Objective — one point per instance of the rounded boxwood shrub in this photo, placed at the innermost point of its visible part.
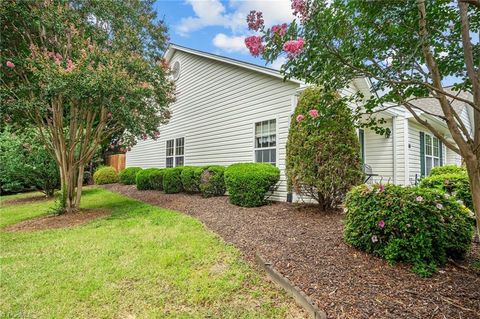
(105, 175)
(323, 152)
(248, 183)
(212, 181)
(422, 227)
(128, 175)
(172, 180)
(447, 169)
(150, 179)
(191, 179)
(453, 184)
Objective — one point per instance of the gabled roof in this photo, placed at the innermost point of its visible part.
(250, 66)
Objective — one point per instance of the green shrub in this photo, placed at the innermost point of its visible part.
(172, 180)
(453, 184)
(447, 169)
(26, 164)
(105, 175)
(191, 179)
(422, 227)
(248, 183)
(323, 151)
(150, 179)
(128, 175)
(212, 181)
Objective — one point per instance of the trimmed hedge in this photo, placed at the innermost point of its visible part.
(447, 169)
(191, 178)
(212, 181)
(172, 180)
(248, 183)
(105, 175)
(128, 175)
(454, 184)
(422, 227)
(150, 179)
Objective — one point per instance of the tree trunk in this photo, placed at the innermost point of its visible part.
(474, 176)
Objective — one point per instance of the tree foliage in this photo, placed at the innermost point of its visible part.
(323, 152)
(408, 49)
(81, 72)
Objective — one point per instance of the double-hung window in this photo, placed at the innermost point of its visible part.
(266, 142)
(175, 150)
(431, 152)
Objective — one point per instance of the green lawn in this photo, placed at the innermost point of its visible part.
(142, 262)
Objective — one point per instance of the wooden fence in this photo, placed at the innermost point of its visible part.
(116, 161)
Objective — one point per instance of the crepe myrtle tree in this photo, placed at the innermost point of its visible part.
(409, 49)
(81, 72)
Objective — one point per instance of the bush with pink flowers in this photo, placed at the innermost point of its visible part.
(418, 226)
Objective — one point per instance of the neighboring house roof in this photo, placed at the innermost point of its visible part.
(432, 105)
(261, 69)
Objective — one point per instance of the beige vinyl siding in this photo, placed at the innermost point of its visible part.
(216, 108)
(453, 158)
(414, 152)
(379, 154)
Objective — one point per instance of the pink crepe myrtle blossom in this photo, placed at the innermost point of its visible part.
(293, 47)
(255, 45)
(381, 224)
(300, 118)
(300, 9)
(255, 20)
(10, 64)
(280, 30)
(313, 113)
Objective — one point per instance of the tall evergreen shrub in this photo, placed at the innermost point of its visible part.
(323, 151)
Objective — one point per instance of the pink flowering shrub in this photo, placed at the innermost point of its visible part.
(254, 45)
(418, 226)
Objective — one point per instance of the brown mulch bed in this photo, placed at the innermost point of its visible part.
(59, 221)
(26, 200)
(306, 246)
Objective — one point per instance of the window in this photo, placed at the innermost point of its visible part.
(169, 153)
(266, 142)
(361, 138)
(433, 153)
(175, 149)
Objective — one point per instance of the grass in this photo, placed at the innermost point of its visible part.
(141, 262)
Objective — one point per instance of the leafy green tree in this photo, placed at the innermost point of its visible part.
(80, 72)
(323, 152)
(25, 163)
(409, 49)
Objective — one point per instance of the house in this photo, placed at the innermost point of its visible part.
(229, 111)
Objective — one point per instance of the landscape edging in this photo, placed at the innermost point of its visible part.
(300, 297)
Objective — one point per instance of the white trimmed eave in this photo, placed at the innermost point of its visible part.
(264, 70)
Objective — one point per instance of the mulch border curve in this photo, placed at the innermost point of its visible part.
(300, 297)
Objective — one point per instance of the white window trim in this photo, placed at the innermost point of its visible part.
(174, 162)
(433, 157)
(262, 119)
